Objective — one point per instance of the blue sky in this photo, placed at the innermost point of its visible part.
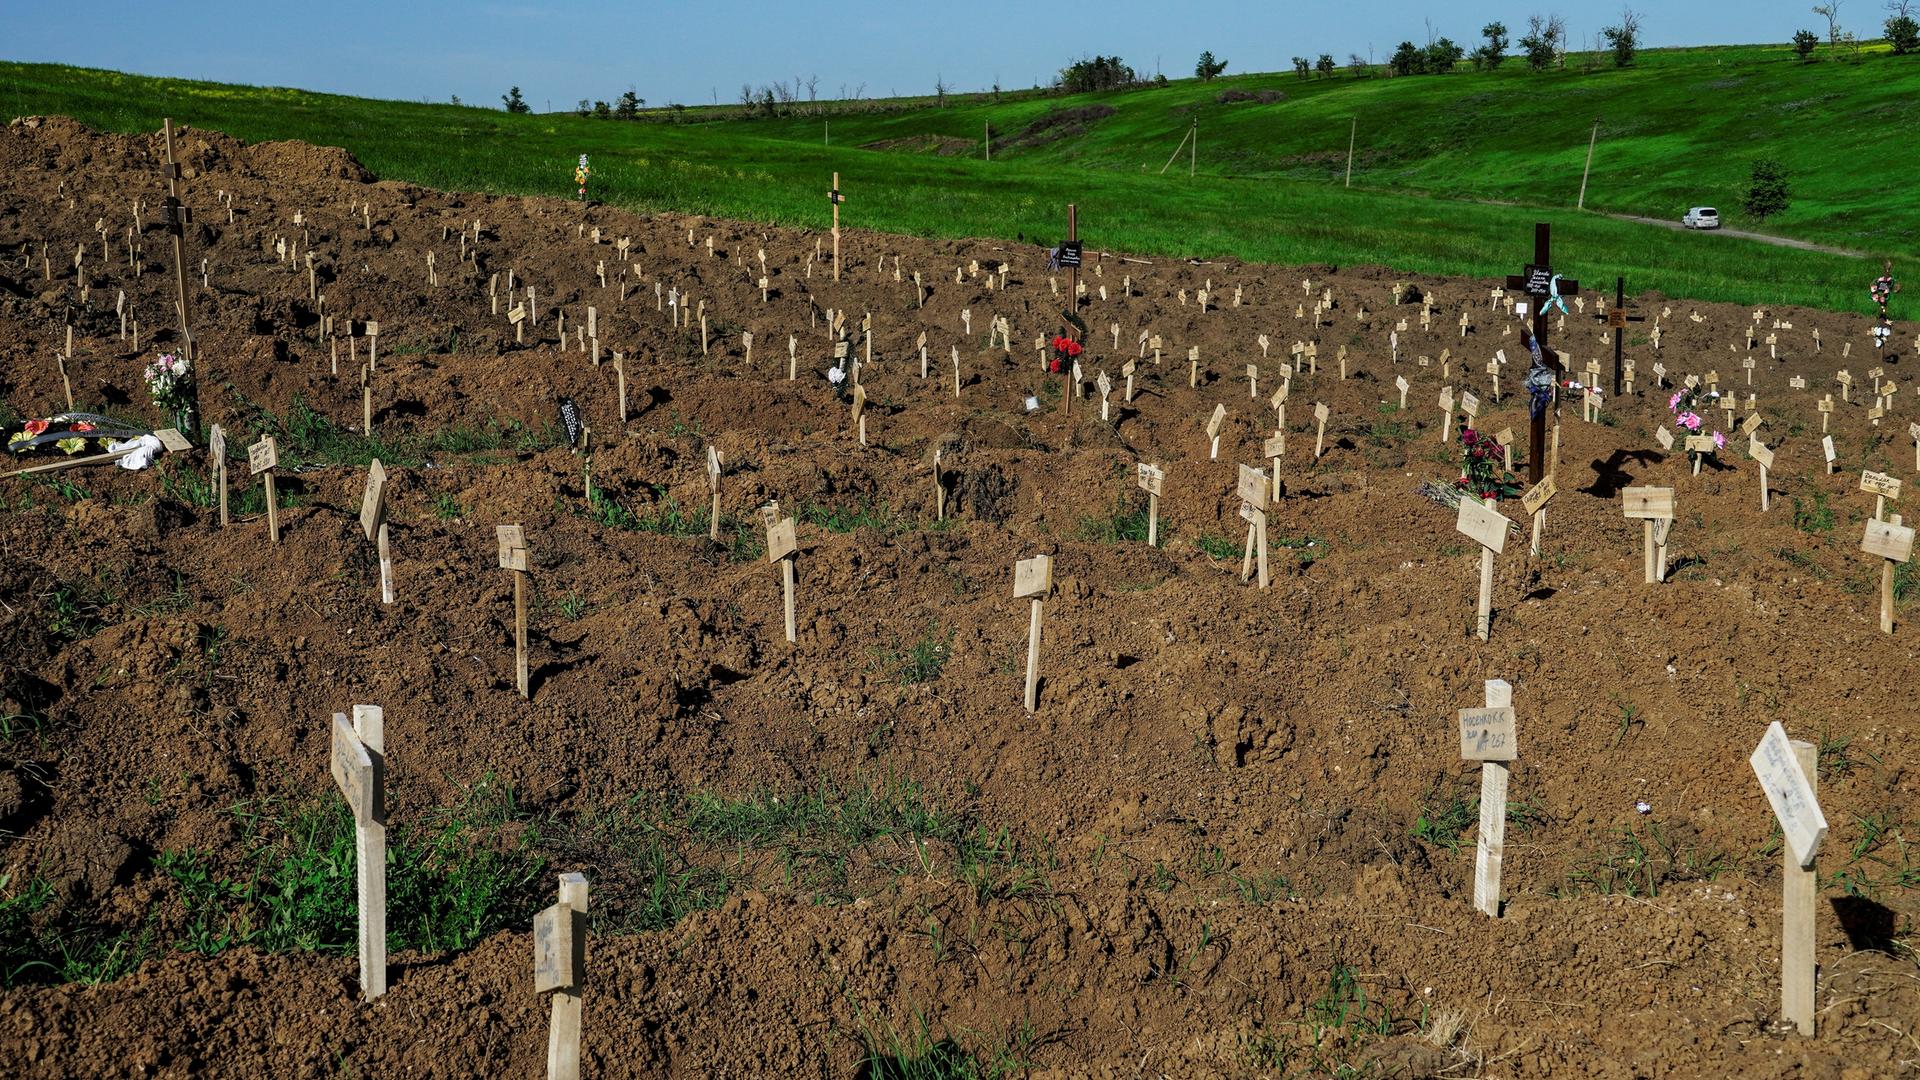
(695, 51)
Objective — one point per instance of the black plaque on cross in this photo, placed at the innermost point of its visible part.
(1536, 280)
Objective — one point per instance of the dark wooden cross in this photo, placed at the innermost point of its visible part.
(1617, 318)
(178, 217)
(1076, 329)
(1536, 281)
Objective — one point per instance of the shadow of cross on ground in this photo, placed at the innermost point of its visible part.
(1610, 476)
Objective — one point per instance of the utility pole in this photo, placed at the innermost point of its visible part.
(1589, 169)
(1351, 137)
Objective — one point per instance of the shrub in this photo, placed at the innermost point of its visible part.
(1767, 189)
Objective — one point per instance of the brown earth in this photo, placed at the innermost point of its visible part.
(1195, 737)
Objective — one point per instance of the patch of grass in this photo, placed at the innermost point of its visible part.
(447, 506)
(1629, 718)
(665, 517)
(572, 605)
(70, 947)
(77, 610)
(845, 518)
(918, 662)
(1219, 547)
(454, 876)
(1443, 822)
(1641, 860)
(1126, 522)
(918, 1055)
(1814, 517)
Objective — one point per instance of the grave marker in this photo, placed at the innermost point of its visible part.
(1654, 506)
(373, 523)
(1788, 771)
(1033, 578)
(713, 485)
(1215, 422)
(1252, 489)
(782, 547)
(1893, 542)
(1484, 525)
(217, 454)
(512, 542)
(358, 762)
(1882, 487)
(1320, 414)
(559, 965)
(1488, 735)
(1152, 479)
(1535, 500)
(1760, 453)
(264, 457)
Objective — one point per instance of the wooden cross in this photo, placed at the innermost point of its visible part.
(782, 544)
(358, 761)
(1487, 735)
(1536, 281)
(1033, 578)
(559, 965)
(834, 197)
(178, 217)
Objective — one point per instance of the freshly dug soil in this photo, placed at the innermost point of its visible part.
(1230, 798)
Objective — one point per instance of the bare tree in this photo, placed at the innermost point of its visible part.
(1900, 9)
(941, 88)
(813, 88)
(1832, 12)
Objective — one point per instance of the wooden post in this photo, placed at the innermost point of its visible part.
(1320, 414)
(1152, 479)
(373, 341)
(358, 761)
(1033, 578)
(1893, 542)
(264, 457)
(1488, 735)
(559, 965)
(1485, 526)
(1654, 506)
(1215, 422)
(713, 484)
(373, 523)
(939, 489)
(1353, 135)
(1535, 501)
(217, 451)
(1588, 171)
(836, 198)
(620, 377)
(781, 548)
(177, 218)
(1760, 453)
(513, 557)
(1789, 773)
(1252, 489)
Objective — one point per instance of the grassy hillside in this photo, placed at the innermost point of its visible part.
(1263, 194)
(1679, 129)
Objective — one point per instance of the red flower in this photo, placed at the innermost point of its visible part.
(82, 426)
(35, 427)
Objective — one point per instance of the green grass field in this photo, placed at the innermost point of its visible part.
(1452, 169)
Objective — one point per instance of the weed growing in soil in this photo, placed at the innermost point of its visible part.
(1642, 862)
(919, 662)
(666, 518)
(77, 610)
(447, 506)
(661, 857)
(453, 877)
(861, 515)
(1814, 518)
(70, 947)
(1219, 547)
(1125, 523)
(917, 1055)
(572, 605)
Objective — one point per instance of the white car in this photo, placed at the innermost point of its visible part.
(1702, 217)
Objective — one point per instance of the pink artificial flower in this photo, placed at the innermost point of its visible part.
(1674, 401)
(1719, 441)
(1689, 421)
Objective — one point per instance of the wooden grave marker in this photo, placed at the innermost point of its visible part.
(373, 523)
(713, 485)
(1251, 486)
(1535, 500)
(1882, 487)
(358, 762)
(559, 965)
(1654, 506)
(1320, 414)
(264, 457)
(512, 540)
(782, 548)
(1484, 525)
(1215, 421)
(1892, 542)
(1033, 578)
(217, 454)
(1151, 479)
(1488, 735)
(1788, 771)
(1762, 455)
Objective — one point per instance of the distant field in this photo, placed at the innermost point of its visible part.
(1681, 129)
